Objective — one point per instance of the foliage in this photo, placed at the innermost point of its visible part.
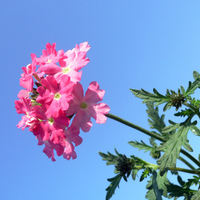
(166, 145)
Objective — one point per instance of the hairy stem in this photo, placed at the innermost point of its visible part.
(149, 133)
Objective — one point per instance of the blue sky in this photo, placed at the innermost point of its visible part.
(134, 44)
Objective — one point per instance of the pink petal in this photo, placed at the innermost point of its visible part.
(93, 95)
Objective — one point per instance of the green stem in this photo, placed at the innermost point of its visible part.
(149, 133)
(116, 118)
(186, 162)
(178, 169)
(190, 157)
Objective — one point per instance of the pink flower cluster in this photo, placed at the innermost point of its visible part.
(54, 107)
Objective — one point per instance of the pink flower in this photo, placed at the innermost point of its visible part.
(72, 133)
(68, 67)
(24, 106)
(23, 93)
(47, 126)
(80, 59)
(69, 151)
(54, 96)
(88, 106)
(27, 80)
(63, 147)
(57, 136)
(49, 59)
(49, 149)
(57, 98)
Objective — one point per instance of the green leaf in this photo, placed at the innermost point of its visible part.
(141, 146)
(192, 181)
(152, 141)
(196, 75)
(195, 130)
(173, 146)
(180, 180)
(145, 173)
(178, 191)
(184, 190)
(192, 87)
(171, 128)
(195, 102)
(134, 173)
(187, 146)
(111, 159)
(183, 113)
(113, 185)
(155, 120)
(182, 90)
(157, 186)
(150, 97)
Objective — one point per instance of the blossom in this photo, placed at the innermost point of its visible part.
(68, 67)
(49, 58)
(55, 96)
(47, 126)
(80, 59)
(23, 93)
(87, 106)
(70, 62)
(24, 106)
(69, 151)
(55, 108)
(26, 79)
(72, 133)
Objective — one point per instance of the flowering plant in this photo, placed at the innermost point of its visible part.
(55, 108)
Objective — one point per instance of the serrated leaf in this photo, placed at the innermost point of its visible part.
(195, 102)
(145, 173)
(183, 190)
(150, 97)
(184, 113)
(157, 186)
(113, 185)
(192, 87)
(111, 159)
(156, 121)
(192, 181)
(178, 191)
(141, 146)
(172, 148)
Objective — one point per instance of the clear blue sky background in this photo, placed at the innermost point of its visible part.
(134, 44)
